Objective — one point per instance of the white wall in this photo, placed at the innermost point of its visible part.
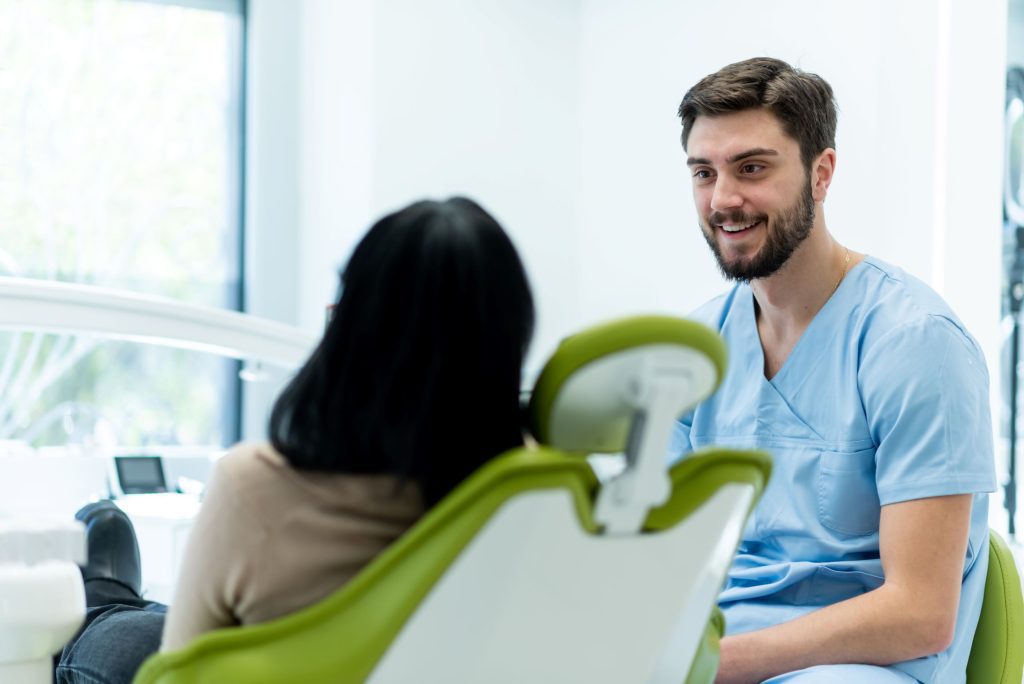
(895, 128)
(336, 145)
(560, 118)
(401, 100)
(479, 98)
(273, 204)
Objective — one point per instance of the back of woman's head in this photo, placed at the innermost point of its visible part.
(418, 372)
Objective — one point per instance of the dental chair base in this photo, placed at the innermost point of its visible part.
(42, 598)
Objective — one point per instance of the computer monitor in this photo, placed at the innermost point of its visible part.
(140, 474)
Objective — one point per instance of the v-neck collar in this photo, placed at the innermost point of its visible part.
(800, 363)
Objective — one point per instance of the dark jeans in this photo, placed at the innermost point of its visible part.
(121, 630)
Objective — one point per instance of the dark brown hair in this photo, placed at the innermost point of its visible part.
(802, 102)
(417, 374)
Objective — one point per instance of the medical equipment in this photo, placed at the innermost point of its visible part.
(997, 654)
(41, 594)
(140, 474)
(50, 306)
(42, 599)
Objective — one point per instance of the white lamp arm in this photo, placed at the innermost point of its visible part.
(58, 307)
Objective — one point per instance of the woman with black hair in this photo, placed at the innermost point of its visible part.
(414, 385)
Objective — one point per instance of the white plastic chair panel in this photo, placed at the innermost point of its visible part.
(536, 599)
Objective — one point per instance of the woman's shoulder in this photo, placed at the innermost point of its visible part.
(249, 465)
(261, 471)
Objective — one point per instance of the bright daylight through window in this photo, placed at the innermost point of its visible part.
(120, 131)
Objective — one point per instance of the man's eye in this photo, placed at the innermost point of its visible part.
(702, 174)
(751, 168)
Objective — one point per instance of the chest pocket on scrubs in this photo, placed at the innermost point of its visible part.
(847, 495)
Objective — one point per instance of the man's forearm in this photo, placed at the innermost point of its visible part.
(884, 626)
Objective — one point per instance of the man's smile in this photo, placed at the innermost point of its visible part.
(738, 229)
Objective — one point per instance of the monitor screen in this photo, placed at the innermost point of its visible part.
(140, 474)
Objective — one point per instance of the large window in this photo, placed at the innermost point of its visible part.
(121, 138)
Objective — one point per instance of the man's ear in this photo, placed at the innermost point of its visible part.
(822, 169)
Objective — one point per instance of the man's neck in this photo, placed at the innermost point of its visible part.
(789, 299)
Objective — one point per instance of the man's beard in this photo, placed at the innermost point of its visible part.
(785, 233)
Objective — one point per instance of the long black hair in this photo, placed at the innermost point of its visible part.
(418, 371)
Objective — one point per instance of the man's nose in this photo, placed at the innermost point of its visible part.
(726, 195)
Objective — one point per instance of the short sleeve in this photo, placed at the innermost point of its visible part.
(925, 391)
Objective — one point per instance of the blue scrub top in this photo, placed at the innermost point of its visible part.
(884, 399)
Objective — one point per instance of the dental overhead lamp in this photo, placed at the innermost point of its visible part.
(42, 598)
(56, 307)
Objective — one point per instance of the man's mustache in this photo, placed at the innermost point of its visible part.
(717, 218)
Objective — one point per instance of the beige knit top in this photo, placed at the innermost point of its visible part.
(270, 540)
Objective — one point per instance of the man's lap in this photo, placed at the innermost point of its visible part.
(844, 674)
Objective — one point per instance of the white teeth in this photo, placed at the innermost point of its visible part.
(736, 229)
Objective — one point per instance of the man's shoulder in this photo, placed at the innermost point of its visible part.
(714, 312)
(904, 332)
(894, 303)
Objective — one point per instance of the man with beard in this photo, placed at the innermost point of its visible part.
(865, 560)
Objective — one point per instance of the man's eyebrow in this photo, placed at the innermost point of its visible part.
(752, 152)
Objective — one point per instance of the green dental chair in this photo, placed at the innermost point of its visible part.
(997, 654)
(533, 569)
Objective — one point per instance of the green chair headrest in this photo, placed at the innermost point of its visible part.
(637, 336)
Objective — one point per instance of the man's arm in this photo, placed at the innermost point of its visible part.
(922, 544)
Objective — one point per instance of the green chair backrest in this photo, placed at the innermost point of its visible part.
(344, 637)
(997, 654)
